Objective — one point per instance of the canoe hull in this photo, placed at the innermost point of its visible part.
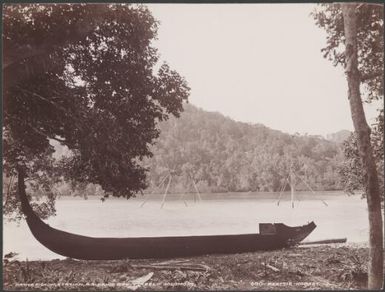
(271, 236)
(96, 248)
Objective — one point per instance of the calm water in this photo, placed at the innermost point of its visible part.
(345, 216)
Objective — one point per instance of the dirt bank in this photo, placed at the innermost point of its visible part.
(310, 267)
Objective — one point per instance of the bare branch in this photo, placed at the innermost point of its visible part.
(65, 111)
(40, 132)
(43, 98)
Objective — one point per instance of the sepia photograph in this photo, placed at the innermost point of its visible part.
(193, 146)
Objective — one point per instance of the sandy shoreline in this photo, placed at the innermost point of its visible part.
(337, 266)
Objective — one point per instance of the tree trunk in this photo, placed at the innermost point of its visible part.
(375, 268)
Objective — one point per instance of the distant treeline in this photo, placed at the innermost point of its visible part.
(218, 154)
(222, 155)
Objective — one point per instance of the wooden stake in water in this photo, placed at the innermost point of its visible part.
(159, 186)
(292, 189)
(196, 189)
(165, 192)
(311, 189)
(283, 189)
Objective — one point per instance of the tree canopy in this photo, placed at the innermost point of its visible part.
(370, 42)
(351, 171)
(370, 50)
(85, 75)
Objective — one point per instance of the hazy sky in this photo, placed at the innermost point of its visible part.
(257, 63)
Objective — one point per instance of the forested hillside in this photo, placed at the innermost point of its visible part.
(223, 155)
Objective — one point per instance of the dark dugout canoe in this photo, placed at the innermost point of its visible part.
(271, 236)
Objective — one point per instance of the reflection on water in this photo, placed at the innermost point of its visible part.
(215, 214)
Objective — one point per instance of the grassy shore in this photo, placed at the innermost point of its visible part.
(300, 268)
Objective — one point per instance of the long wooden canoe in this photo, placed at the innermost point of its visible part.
(271, 236)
